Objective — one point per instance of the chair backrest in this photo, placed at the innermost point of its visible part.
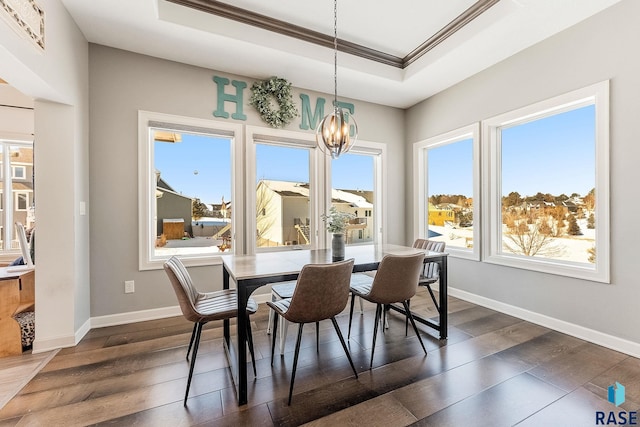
(431, 270)
(321, 292)
(24, 246)
(183, 287)
(397, 278)
(430, 245)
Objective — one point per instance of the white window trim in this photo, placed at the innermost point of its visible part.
(283, 138)
(597, 94)
(14, 168)
(17, 203)
(420, 162)
(146, 258)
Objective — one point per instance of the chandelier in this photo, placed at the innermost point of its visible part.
(333, 132)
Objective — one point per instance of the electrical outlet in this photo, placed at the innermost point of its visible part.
(129, 287)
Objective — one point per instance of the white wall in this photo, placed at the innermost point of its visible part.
(123, 83)
(600, 48)
(58, 81)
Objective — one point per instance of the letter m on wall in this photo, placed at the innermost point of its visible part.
(310, 121)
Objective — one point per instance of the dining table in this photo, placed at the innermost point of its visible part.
(250, 272)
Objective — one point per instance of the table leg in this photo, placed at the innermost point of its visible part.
(243, 297)
(443, 298)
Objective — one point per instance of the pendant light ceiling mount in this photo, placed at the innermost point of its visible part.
(338, 131)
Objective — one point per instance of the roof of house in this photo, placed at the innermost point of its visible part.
(301, 189)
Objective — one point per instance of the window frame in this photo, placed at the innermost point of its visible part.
(596, 94)
(281, 138)
(420, 163)
(10, 198)
(15, 168)
(16, 201)
(146, 173)
(379, 215)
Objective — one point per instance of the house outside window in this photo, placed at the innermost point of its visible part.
(15, 156)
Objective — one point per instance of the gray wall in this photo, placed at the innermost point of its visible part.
(600, 48)
(121, 83)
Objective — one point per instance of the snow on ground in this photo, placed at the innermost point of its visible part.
(572, 248)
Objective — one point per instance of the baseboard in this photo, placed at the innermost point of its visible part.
(615, 343)
(134, 316)
(49, 344)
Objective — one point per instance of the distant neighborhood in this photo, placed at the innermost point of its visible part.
(282, 215)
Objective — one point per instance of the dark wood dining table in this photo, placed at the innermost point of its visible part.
(249, 272)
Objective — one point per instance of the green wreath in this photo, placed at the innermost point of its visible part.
(264, 92)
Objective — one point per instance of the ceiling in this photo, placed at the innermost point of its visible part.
(396, 55)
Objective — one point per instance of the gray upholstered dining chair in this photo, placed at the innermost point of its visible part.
(431, 270)
(283, 290)
(396, 281)
(321, 292)
(202, 307)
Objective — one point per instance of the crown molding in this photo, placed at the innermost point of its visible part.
(268, 23)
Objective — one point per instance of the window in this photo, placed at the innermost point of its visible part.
(282, 202)
(208, 187)
(190, 183)
(18, 172)
(15, 156)
(22, 201)
(353, 190)
(282, 196)
(548, 208)
(448, 190)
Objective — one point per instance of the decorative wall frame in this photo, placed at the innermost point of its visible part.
(26, 17)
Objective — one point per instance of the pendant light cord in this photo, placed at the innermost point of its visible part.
(335, 53)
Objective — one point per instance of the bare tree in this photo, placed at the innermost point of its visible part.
(529, 240)
(264, 211)
(198, 209)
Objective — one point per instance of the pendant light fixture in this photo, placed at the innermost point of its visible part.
(333, 132)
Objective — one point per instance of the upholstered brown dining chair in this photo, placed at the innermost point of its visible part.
(396, 281)
(321, 292)
(202, 307)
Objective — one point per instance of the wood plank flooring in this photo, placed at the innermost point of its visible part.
(494, 370)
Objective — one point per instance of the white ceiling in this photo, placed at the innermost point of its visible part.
(166, 30)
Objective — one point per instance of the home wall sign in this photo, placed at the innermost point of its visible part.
(231, 94)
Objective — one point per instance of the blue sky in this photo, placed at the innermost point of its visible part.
(551, 155)
(199, 166)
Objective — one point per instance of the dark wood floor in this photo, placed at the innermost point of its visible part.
(494, 370)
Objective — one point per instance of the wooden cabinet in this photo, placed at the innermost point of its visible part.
(17, 294)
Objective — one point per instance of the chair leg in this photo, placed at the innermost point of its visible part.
(271, 314)
(361, 307)
(433, 297)
(317, 337)
(413, 323)
(284, 327)
(274, 333)
(375, 332)
(193, 335)
(250, 343)
(344, 345)
(196, 343)
(351, 314)
(385, 317)
(295, 361)
(406, 320)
